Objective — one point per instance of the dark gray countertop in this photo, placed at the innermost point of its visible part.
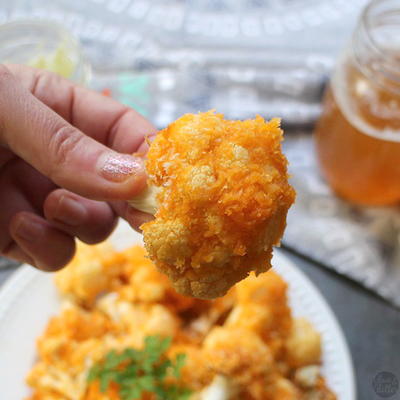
(371, 326)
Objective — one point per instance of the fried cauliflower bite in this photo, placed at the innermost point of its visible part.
(262, 307)
(195, 373)
(237, 353)
(223, 194)
(280, 388)
(139, 320)
(93, 270)
(70, 343)
(303, 345)
(145, 282)
(69, 337)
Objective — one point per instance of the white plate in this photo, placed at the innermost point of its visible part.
(29, 298)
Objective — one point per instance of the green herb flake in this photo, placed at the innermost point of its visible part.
(142, 371)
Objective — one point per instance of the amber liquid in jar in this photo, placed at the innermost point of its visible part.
(359, 163)
(358, 134)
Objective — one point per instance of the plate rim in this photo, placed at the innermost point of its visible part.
(287, 268)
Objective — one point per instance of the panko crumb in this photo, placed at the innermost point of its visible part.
(223, 196)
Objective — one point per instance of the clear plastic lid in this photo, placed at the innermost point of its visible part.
(46, 45)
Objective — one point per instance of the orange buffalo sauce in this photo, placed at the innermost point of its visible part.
(358, 134)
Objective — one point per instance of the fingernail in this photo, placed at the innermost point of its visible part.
(70, 212)
(121, 167)
(29, 230)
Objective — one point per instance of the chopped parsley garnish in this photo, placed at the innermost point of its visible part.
(142, 371)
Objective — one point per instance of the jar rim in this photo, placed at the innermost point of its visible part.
(367, 18)
(379, 62)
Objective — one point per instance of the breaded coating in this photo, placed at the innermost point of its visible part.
(262, 307)
(223, 196)
(237, 353)
(195, 371)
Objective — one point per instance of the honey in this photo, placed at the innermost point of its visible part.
(358, 134)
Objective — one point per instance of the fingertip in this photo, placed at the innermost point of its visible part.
(145, 146)
(89, 220)
(116, 177)
(14, 252)
(135, 186)
(65, 208)
(49, 248)
(137, 218)
(51, 204)
(117, 167)
(127, 189)
(134, 217)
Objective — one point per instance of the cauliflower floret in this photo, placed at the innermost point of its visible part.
(303, 344)
(219, 389)
(262, 305)
(307, 377)
(222, 193)
(55, 383)
(255, 317)
(283, 389)
(92, 271)
(169, 241)
(140, 320)
(195, 372)
(201, 177)
(145, 283)
(237, 353)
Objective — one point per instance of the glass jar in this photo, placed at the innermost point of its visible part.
(46, 45)
(358, 134)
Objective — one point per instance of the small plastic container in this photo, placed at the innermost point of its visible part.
(46, 45)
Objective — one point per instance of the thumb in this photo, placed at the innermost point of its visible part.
(61, 152)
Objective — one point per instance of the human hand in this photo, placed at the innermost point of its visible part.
(65, 166)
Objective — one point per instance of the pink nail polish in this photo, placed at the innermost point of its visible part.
(120, 167)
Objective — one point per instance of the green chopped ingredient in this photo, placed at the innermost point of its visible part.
(137, 372)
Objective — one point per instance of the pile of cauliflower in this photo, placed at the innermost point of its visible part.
(220, 193)
(245, 345)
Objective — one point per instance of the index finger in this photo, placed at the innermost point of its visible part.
(109, 122)
(60, 151)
